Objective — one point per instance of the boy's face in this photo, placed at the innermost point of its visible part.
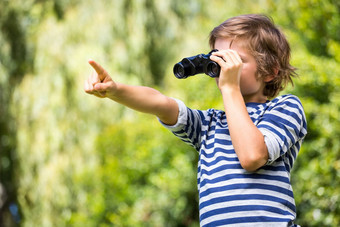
(251, 86)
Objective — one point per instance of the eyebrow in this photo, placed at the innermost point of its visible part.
(244, 56)
(231, 42)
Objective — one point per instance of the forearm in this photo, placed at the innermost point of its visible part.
(247, 139)
(147, 100)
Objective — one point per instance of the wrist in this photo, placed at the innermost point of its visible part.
(231, 96)
(114, 91)
(230, 90)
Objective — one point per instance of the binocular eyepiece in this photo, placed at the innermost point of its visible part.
(197, 64)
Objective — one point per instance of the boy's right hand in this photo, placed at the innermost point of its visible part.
(100, 83)
(139, 98)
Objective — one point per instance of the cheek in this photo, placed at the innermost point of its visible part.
(249, 79)
(249, 71)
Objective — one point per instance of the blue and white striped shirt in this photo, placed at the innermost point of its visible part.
(228, 194)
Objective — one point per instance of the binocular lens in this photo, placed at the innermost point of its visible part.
(213, 69)
(179, 71)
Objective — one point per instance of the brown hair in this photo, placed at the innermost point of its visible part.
(266, 43)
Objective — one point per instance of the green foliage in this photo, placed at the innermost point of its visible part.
(69, 159)
(17, 21)
(144, 176)
(316, 22)
(316, 174)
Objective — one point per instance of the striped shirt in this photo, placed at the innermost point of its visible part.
(228, 194)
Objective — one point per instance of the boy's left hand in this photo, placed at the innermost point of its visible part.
(231, 68)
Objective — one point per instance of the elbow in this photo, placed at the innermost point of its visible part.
(250, 167)
(251, 163)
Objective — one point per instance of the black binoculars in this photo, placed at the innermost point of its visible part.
(197, 64)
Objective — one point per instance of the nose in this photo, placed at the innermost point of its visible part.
(217, 79)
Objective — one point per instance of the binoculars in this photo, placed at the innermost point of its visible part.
(200, 63)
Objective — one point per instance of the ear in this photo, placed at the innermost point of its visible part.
(271, 77)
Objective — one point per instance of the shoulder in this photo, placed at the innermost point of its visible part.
(285, 98)
(287, 108)
(289, 101)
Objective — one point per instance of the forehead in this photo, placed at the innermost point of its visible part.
(238, 45)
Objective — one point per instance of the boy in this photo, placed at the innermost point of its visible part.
(246, 152)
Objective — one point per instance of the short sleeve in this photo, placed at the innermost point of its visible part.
(182, 117)
(188, 125)
(284, 127)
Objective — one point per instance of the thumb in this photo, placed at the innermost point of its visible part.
(100, 87)
(104, 87)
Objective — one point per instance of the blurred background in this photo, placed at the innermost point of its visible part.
(71, 159)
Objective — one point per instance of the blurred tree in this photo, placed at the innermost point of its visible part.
(68, 159)
(149, 30)
(16, 60)
(317, 22)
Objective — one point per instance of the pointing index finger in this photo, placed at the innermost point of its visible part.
(98, 68)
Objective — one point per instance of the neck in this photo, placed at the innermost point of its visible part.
(261, 99)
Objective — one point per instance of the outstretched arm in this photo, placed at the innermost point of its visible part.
(142, 99)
